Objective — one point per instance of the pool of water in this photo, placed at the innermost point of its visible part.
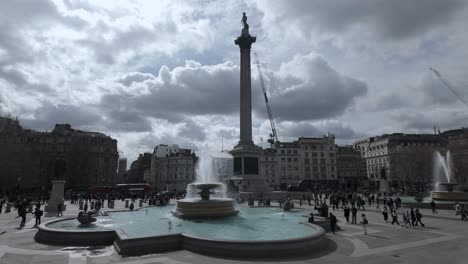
(250, 224)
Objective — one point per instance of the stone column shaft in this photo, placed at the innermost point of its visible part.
(245, 99)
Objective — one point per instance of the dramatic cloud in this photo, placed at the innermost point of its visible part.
(313, 90)
(391, 20)
(167, 72)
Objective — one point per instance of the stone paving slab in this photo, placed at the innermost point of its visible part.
(443, 240)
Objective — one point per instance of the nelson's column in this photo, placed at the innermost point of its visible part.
(246, 154)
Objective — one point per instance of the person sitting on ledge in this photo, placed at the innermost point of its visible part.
(311, 218)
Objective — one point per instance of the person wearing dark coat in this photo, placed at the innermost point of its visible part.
(38, 214)
(332, 222)
(418, 217)
(346, 213)
(311, 218)
(413, 217)
(354, 215)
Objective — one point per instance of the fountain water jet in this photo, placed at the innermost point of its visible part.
(444, 185)
(212, 201)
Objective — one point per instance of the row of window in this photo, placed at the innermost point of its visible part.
(377, 161)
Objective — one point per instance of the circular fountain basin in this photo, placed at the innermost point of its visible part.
(255, 232)
(450, 196)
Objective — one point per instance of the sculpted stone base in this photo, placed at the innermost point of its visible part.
(218, 207)
(56, 196)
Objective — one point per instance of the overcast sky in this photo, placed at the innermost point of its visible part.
(167, 72)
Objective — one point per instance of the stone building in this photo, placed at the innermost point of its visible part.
(351, 168)
(458, 146)
(400, 161)
(307, 158)
(137, 169)
(28, 157)
(173, 171)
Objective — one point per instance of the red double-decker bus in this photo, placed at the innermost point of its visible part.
(121, 188)
(133, 188)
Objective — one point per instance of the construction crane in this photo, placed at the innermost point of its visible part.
(448, 84)
(273, 136)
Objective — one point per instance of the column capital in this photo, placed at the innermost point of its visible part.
(245, 40)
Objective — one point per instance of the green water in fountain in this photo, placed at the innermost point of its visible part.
(254, 224)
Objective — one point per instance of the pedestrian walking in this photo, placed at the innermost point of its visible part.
(354, 214)
(433, 204)
(413, 217)
(59, 209)
(364, 223)
(463, 212)
(332, 222)
(457, 208)
(22, 213)
(38, 214)
(346, 213)
(406, 219)
(418, 217)
(385, 213)
(395, 217)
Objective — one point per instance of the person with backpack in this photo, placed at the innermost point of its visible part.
(395, 217)
(364, 223)
(418, 217)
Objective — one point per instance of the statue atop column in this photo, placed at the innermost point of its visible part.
(244, 21)
(245, 40)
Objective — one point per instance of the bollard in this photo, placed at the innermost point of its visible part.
(126, 203)
(140, 204)
(81, 205)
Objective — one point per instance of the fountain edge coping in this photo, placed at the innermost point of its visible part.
(162, 243)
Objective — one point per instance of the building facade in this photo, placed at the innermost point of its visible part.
(172, 172)
(351, 168)
(28, 157)
(458, 146)
(307, 158)
(400, 161)
(136, 174)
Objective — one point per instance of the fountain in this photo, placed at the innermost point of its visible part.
(443, 179)
(205, 185)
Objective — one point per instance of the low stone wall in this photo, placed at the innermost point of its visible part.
(51, 236)
(257, 249)
(156, 244)
(147, 245)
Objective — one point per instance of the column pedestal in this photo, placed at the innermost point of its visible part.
(56, 196)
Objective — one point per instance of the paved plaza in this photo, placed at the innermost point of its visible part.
(442, 240)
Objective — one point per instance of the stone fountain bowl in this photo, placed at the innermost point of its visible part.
(450, 196)
(209, 186)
